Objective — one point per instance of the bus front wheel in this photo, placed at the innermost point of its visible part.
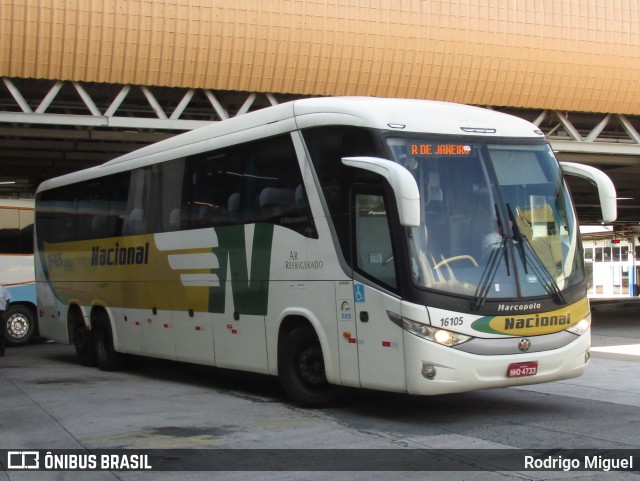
(19, 325)
(301, 370)
(107, 358)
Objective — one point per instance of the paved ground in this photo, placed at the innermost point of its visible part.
(48, 401)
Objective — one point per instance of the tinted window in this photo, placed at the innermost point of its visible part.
(327, 146)
(374, 250)
(255, 182)
(87, 210)
(16, 231)
(101, 205)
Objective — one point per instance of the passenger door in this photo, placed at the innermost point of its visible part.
(380, 348)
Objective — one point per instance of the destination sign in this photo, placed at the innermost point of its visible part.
(440, 149)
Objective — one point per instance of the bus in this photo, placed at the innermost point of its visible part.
(17, 269)
(333, 242)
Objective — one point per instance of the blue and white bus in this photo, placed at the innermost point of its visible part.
(16, 269)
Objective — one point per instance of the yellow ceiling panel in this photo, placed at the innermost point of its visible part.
(560, 54)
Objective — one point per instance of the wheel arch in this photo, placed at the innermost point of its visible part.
(27, 304)
(98, 309)
(89, 317)
(76, 312)
(290, 320)
(107, 354)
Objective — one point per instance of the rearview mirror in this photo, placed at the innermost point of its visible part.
(606, 189)
(405, 188)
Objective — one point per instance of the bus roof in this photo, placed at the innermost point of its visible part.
(401, 115)
(420, 116)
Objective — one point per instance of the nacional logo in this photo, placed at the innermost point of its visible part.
(120, 256)
(533, 324)
(511, 323)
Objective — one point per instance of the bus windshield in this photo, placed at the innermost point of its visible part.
(496, 219)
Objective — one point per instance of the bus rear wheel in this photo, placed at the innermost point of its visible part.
(19, 325)
(301, 370)
(84, 344)
(107, 358)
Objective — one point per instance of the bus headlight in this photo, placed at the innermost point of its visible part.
(580, 327)
(433, 334)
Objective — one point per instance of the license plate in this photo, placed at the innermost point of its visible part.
(522, 369)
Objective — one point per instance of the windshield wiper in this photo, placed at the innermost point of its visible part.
(537, 266)
(517, 236)
(541, 272)
(489, 273)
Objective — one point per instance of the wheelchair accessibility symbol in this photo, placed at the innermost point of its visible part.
(358, 292)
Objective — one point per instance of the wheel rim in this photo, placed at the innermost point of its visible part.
(17, 326)
(310, 367)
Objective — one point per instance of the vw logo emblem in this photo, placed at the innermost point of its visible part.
(524, 344)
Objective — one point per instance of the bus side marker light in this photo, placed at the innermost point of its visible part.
(347, 336)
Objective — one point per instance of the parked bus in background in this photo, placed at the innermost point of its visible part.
(408, 246)
(16, 269)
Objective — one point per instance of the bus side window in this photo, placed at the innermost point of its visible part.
(169, 196)
(211, 178)
(276, 181)
(374, 250)
(276, 201)
(25, 241)
(9, 228)
(134, 220)
(327, 146)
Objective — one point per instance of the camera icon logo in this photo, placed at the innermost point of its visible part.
(23, 460)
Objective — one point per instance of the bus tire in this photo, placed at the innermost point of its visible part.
(19, 325)
(107, 358)
(301, 370)
(84, 344)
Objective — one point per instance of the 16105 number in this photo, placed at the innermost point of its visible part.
(451, 321)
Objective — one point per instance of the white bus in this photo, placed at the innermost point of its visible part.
(16, 269)
(410, 246)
